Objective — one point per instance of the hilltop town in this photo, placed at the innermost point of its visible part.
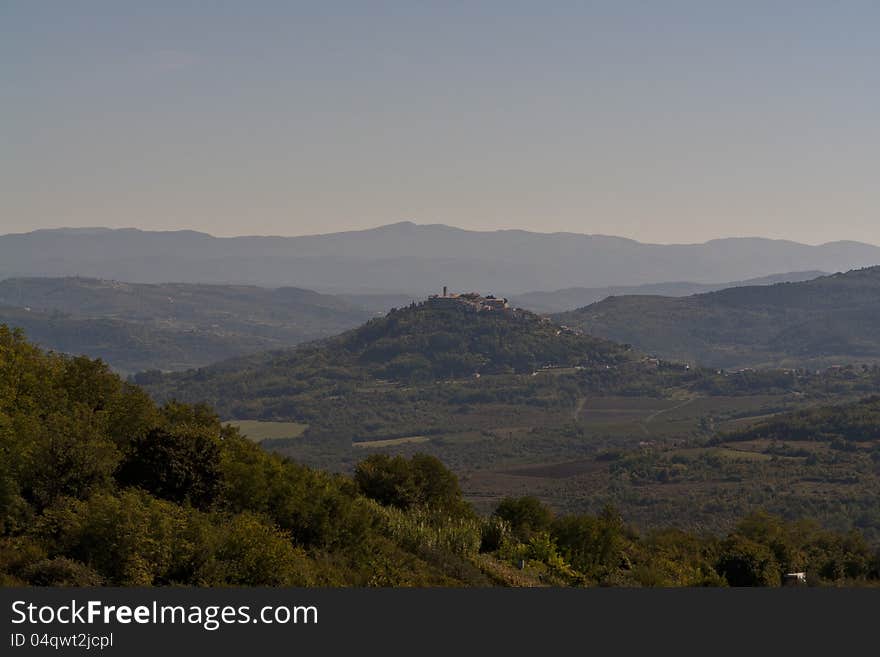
(470, 300)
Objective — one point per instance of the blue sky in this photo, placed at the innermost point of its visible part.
(662, 121)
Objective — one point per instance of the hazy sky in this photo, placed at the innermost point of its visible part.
(659, 120)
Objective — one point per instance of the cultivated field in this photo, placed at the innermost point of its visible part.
(390, 442)
(258, 430)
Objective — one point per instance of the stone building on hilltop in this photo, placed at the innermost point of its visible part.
(470, 300)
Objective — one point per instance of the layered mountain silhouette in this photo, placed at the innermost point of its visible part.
(412, 259)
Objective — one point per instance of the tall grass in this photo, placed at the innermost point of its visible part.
(423, 529)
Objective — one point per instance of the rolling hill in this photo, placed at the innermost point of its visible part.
(558, 301)
(420, 344)
(412, 259)
(827, 321)
(169, 326)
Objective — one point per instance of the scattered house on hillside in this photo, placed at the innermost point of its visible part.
(794, 579)
(493, 303)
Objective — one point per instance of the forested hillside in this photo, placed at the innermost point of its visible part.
(99, 486)
(418, 344)
(850, 427)
(827, 321)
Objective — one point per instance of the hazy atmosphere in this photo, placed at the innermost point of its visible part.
(315, 297)
(663, 122)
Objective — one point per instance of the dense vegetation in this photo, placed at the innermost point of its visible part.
(827, 321)
(99, 486)
(170, 326)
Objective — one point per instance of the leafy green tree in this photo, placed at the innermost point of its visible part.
(526, 515)
(69, 455)
(744, 562)
(436, 485)
(421, 481)
(60, 571)
(252, 551)
(17, 553)
(598, 546)
(785, 541)
(128, 538)
(672, 557)
(182, 466)
(388, 480)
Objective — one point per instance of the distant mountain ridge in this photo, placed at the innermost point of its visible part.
(832, 320)
(407, 258)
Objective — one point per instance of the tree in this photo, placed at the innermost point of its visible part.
(422, 481)
(69, 456)
(595, 545)
(180, 466)
(129, 539)
(60, 571)
(743, 562)
(526, 515)
(388, 480)
(437, 487)
(251, 551)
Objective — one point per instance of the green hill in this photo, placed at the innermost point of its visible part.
(100, 486)
(424, 341)
(417, 345)
(557, 301)
(168, 326)
(827, 321)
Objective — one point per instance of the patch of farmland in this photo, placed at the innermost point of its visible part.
(391, 442)
(260, 430)
(556, 470)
